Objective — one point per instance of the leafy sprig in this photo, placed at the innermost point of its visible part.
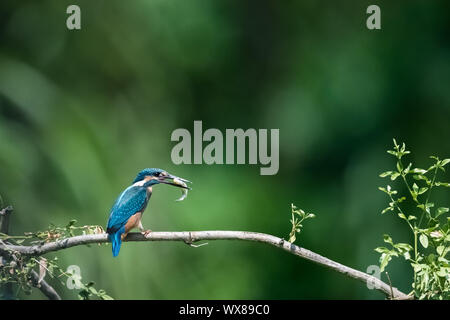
(429, 260)
(297, 218)
(18, 269)
(52, 233)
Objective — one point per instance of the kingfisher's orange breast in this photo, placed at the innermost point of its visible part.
(133, 222)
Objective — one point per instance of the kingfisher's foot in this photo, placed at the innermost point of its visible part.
(146, 232)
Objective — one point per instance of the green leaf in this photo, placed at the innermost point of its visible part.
(292, 238)
(71, 223)
(440, 211)
(423, 240)
(443, 272)
(408, 168)
(387, 238)
(106, 297)
(395, 142)
(422, 190)
(443, 184)
(444, 162)
(426, 207)
(417, 267)
(382, 189)
(421, 177)
(436, 234)
(443, 260)
(395, 175)
(403, 246)
(406, 255)
(440, 250)
(387, 209)
(382, 249)
(401, 215)
(394, 153)
(384, 260)
(385, 174)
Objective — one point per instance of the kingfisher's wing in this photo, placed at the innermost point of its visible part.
(131, 200)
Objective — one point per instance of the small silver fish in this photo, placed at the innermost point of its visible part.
(184, 190)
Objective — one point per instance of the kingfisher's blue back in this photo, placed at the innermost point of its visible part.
(134, 199)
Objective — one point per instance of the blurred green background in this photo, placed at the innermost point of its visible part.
(81, 112)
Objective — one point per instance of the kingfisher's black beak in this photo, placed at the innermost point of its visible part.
(174, 181)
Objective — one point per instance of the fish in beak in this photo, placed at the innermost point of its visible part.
(177, 182)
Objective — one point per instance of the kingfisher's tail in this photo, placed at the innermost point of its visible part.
(116, 240)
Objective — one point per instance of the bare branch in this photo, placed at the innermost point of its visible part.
(4, 219)
(45, 288)
(193, 236)
(7, 290)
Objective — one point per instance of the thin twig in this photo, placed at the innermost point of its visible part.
(390, 285)
(4, 219)
(7, 290)
(190, 242)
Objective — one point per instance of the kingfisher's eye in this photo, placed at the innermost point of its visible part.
(156, 174)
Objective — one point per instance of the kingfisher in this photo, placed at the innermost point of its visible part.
(126, 213)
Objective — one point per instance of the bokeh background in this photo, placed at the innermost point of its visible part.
(81, 112)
